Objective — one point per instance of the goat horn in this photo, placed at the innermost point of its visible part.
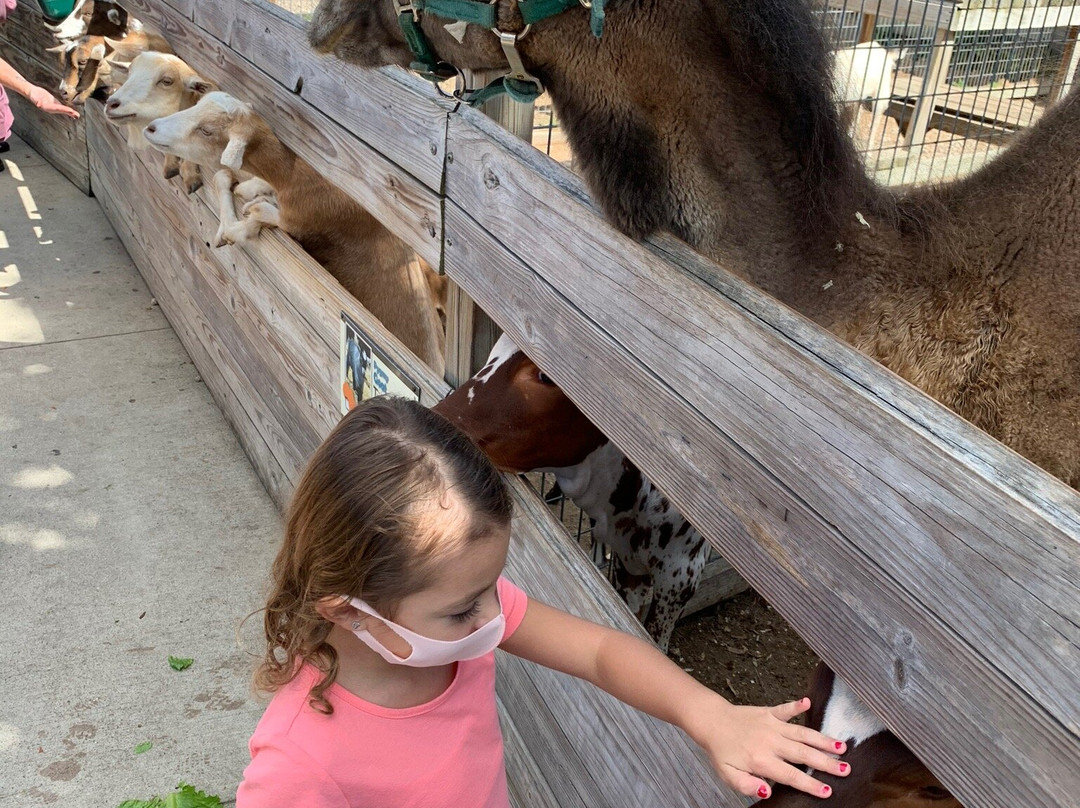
(57, 48)
(115, 44)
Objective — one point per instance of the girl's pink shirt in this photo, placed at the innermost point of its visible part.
(447, 753)
(6, 119)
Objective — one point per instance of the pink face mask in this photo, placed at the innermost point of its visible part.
(429, 653)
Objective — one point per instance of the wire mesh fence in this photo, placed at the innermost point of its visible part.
(931, 90)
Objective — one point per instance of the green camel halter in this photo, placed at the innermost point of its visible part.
(519, 84)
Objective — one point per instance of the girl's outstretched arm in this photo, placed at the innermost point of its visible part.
(745, 744)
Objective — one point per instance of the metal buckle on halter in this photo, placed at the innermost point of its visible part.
(509, 41)
(404, 6)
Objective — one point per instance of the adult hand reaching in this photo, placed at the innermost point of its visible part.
(44, 100)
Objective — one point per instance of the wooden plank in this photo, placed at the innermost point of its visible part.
(169, 227)
(26, 33)
(61, 141)
(403, 204)
(802, 479)
(191, 328)
(43, 73)
(526, 782)
(970, 106)
(470, 332)
(719, 582)
(596, 751)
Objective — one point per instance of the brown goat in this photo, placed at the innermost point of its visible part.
(375, 266)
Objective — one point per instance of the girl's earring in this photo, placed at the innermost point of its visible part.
(356, 625)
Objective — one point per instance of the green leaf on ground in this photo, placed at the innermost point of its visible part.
(185, 797)
(179, 664)
(143, 747)
(190, 797)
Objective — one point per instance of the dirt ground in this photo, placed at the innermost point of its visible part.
(743, 649)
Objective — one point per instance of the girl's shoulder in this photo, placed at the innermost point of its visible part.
(513, 601)
(284, 774)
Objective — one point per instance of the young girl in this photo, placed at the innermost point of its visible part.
(387, 606)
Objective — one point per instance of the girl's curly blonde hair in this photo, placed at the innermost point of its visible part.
(353, 527)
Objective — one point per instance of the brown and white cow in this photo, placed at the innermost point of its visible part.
(884, 772)
(524, 422)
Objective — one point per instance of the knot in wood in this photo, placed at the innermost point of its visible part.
(491, 179)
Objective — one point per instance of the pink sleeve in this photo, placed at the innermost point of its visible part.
(285, 777)
(513, 602)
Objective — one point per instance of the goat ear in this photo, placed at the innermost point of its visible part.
(198, 85)
(115, 44)
(233, 156)
(113, 16)
(117, 61)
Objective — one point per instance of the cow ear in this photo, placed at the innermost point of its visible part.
(198, 85)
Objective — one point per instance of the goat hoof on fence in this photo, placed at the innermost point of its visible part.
(171, 171)
(193, 185)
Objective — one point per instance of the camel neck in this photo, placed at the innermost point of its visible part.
(710, 132)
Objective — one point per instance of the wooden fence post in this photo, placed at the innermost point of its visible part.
(936, 74)
(470, 333)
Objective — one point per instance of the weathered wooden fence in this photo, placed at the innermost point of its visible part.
(933, 568)
(23, 40)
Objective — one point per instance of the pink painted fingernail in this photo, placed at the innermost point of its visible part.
(839, 745)
(843, 768)
(826, 791)
(763, 792)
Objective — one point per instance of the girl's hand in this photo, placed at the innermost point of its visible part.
(44, 100)
(747, 744)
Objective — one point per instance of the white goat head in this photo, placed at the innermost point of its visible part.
(215, 131)
(157, 85)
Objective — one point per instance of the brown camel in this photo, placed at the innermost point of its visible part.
(715, 120)
(966, 290)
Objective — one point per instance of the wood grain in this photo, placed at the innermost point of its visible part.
(840, 511)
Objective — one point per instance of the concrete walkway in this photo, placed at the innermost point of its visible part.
(131, 524)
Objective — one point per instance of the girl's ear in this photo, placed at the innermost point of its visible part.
(337, 610)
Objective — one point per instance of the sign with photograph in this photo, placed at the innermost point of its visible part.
(366, 371)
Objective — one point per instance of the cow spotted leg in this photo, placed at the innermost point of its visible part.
(675, 578)
(634, 589)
